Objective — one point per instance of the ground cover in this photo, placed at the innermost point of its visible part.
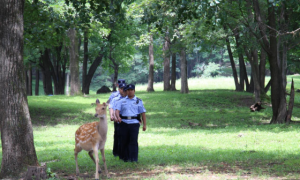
(206, 134)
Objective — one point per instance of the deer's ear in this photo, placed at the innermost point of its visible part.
(97, 101)
(104, 104)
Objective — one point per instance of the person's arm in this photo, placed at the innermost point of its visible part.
(118, 118)
(111, 110)
(111, 113)
(144, 121)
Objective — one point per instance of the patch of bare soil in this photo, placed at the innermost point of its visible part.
(224, 171)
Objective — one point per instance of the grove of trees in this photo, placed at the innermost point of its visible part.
(144, 41)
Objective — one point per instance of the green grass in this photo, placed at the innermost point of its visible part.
(209, 131)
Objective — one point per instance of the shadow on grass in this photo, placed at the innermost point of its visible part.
(62, 110)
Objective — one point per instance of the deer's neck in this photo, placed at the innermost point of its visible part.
(102, 127)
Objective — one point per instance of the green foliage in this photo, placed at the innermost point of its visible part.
(212, 69)
(198, 69)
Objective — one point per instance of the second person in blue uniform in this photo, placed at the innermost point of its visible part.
(117, 139)
(130, 109)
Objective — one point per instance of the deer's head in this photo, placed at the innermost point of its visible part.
(100, 109)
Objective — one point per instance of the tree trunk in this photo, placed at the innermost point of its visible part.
(74, 63)
(250, 88)
(278, 97)
(253, 59)
(151, 66)
(16, 130)
(85, 58)
(236, 81)
(262, 71)
(92, 70)
(67, 84)
(28, 76)
(37, 81)
(166, 49)
(277, 90)
(291, 103)
(183, 69)
(243, 70)
(266, 89)
(173, 76)
(58, 71)
(47, 80)
(116, 73)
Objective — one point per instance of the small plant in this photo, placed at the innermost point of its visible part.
(50, 174)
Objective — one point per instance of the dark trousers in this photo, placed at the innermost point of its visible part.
(129, 142)
(116, 147)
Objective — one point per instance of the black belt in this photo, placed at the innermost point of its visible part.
(128, 117)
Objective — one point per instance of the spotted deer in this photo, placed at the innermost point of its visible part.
(92, 137)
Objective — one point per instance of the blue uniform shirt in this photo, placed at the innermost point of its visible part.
(130, 107)
(113, 101)
(113, 95)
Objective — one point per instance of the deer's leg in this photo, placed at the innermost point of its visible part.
(104, 162)
(95, 149)
(91, 156)
(76, 151)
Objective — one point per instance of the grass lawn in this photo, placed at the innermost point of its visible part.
(209, 133)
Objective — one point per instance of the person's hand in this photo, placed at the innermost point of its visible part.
(119, 120)
(144, 128)
(111, 118)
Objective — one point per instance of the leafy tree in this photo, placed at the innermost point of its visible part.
(45, 43)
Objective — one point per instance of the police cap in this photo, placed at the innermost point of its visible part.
(122, 85)
(129, 86)
(121, 81)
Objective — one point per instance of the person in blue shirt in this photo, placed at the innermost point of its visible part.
(123, 94)
(130, 109)
(113, 95)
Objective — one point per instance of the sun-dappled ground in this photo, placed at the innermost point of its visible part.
(209, 133)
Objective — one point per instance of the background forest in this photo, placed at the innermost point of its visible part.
(113, 38)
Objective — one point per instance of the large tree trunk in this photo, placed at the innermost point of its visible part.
(74, 63)
(173, 76)
(183, 69)
(166, 50)
(151, 66)
(16, 130)
(37, 81)
(235, 77)
(278, 97)
(85, 58)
